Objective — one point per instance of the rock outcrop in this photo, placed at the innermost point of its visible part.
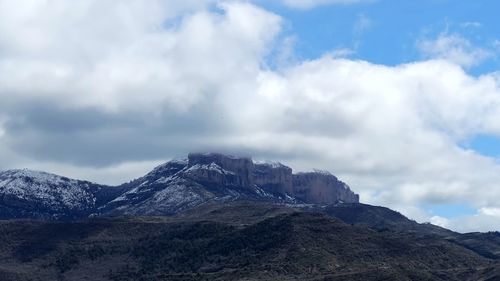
(273, 177)
(322, 188)
(222, 170)
(219, 169)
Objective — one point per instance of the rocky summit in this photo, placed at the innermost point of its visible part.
(204, 177)
(172, 187)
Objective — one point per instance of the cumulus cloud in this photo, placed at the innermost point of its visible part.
(111, 55)
(454, 48)
(105, 90)
(308, 4)
(391, 131)
(104, 71)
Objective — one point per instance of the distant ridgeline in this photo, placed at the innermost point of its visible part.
(168, 189)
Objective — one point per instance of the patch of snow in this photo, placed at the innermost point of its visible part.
(165, 166)
(210, 167)
(288, 197)
(144, 183)
(262, 193)
(163, 180)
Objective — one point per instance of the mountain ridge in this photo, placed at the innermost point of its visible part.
(169, 188)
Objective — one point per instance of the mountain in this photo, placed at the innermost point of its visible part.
(33, 194)
(182, 184)
(170, 188)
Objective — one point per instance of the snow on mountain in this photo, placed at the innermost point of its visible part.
(172, 187)
(42, 194)
(203, 177)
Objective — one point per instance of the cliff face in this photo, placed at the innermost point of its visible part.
(273, 177)
(322, 188)
(223, 170)
(220, 169)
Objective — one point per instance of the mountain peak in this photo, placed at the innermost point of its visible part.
(29, 193)
(33, 176)
(169, 188)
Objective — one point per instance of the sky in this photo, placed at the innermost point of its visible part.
(400, 99)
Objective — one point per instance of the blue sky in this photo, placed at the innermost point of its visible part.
(387, 31)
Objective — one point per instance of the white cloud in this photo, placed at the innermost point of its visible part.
(391, 132)
(149, 81)
(471, 24)
(114, 59)
(488, 211)
(454, 48)
(342, 52)
(308, 4)
(112, 175)
(486, 219)
(440, 221)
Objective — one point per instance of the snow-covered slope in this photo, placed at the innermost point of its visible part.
(33, 194)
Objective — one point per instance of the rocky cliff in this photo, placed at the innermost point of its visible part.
(223, 170)
(273, 177)
(318, 187)
(322, 188)
(170, 188)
